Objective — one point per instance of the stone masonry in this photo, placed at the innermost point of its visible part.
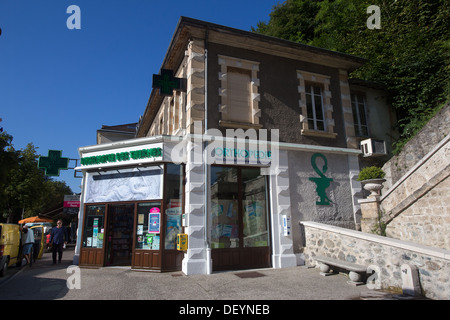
(386, 254)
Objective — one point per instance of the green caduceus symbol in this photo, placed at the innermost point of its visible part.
(323, 182)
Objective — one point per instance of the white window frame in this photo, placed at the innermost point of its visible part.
(308, 78)
(315, 119)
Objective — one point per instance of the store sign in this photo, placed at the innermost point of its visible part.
(71, 201)
(242, 155)
(122, 156)
(167, 83)
(132, 155)
(71, 204)
(53, 163)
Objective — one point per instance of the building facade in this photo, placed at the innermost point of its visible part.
(262, 133)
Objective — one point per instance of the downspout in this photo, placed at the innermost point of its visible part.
(205, 163)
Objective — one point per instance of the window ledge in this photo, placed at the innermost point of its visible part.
(321, 134)
(239, 125)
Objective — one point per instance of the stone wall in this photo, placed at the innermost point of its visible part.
(427, 221)
(387, 254)
(416, 207)
(434, 131)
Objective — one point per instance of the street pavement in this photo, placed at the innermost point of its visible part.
(45, 281)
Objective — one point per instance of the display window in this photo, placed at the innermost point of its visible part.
(238, 208)
(136, 233)
(148, 226)
(239, 218)
(225, 228)
(255, 228)
(94, 230)
(173, 204)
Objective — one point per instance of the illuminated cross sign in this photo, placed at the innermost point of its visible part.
(53, 163)
(166, 82)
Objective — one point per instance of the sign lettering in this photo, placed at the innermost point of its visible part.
(122, 156)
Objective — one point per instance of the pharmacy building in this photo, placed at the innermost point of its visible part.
(243, 136)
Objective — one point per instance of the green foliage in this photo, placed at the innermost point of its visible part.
(371, 173)
(409, 55)
(23, 186)
(293, 20)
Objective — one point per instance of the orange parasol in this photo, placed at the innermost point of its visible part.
(35, 219)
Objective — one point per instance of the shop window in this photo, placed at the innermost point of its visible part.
(238, 208)
(359, 115)
(173, 205)
(148, 225)
(224, 207)
(94, 230)
(254, 208)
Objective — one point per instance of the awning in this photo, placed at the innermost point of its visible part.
(34, 220)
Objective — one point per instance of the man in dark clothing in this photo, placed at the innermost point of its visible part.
(58, 237)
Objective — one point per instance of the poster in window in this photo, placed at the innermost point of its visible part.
(153, 220)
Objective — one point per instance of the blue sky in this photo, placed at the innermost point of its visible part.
(58, 86)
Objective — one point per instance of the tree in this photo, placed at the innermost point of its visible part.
(8, 162)
(409, 55)
(25, 190)
(293, 20)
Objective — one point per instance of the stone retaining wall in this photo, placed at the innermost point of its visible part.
(416, 208)
(413, 152)
(388, 254)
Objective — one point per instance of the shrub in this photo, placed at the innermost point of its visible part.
(371, 173)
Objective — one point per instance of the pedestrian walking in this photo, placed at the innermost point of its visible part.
(28, 242)
(58, 238)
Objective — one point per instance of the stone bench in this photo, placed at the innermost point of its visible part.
(356, 274)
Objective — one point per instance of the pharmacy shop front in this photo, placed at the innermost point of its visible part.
(136, 201)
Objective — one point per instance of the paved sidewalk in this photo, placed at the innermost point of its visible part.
(47, 281)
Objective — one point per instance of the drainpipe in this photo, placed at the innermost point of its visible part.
(205, 163)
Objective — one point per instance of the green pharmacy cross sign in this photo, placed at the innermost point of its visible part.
(166, 82)
(53, 163)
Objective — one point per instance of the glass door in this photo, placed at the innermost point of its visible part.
(120, 234)
(147, 252)
(226, 224)
(92, 247)
(239, 219)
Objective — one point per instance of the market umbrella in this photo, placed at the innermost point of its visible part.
(35, 219)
